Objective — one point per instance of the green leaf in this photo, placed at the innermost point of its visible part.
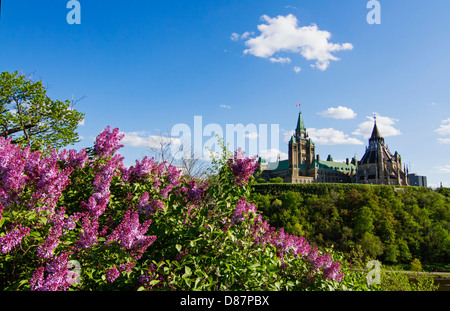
(187, 271)
(154, 282)
(196, 282)
(43, 220)
(178, 247)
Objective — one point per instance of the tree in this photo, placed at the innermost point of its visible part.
(172, 151)
(30, 118)
(363, 221)
(276, 180)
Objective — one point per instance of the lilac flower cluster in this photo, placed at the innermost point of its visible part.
(53, 277)
(112, 274)
(60, 226)
(72, 158)
(142, 170)
(149, 207)
(262, 233)
(100, 198)
(13, 238)
(194, 194)
(89, 232)
(12, 162)
(108, 142)
(243, 210)
(130, 234)
(42, 176)
(242, 167)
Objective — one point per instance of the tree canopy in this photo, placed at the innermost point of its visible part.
(31, 118)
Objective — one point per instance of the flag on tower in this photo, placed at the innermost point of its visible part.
(298, 105)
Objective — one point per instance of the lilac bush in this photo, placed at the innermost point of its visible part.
(142, 227)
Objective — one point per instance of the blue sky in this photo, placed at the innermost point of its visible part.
(145, 66)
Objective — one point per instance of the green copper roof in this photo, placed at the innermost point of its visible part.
(278, 166)
(324, 165)
(336, 166)
(300, 124)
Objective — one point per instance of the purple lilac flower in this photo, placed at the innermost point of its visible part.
(98, 201)
(173, 174)
(60, 227)
(193, 193)
(107, 143)
(72, 158)
(78, 159)
(130, 234)
(112, 274)
(12, 162)
(332, 272)
(149, 207)
(13, 238)
(142, 169)
(322, 261)
(242, 167)
(56, 278)
(165, 192)
(89, 232)
(243, 210)
(127, 267)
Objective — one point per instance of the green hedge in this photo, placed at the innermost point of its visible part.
(319, 188)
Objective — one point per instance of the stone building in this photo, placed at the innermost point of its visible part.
(303, 166)
(378, 165)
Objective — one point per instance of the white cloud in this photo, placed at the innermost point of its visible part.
(287, 135)
(297, 69)
(338, 113)
(290, 7)
(385, 126)
(252, 135)
(444, 129)
(444, 141)
(444, 169)
(225, 106)
(282, 60)
(271, 155)
(81, 123)
(144, 139)
(282, 34)
(330, 136)
(236, 37)
(247, 34)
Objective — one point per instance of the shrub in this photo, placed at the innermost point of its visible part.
(83, 221)
(276, 180)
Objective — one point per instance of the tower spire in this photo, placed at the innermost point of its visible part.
(376, 136)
